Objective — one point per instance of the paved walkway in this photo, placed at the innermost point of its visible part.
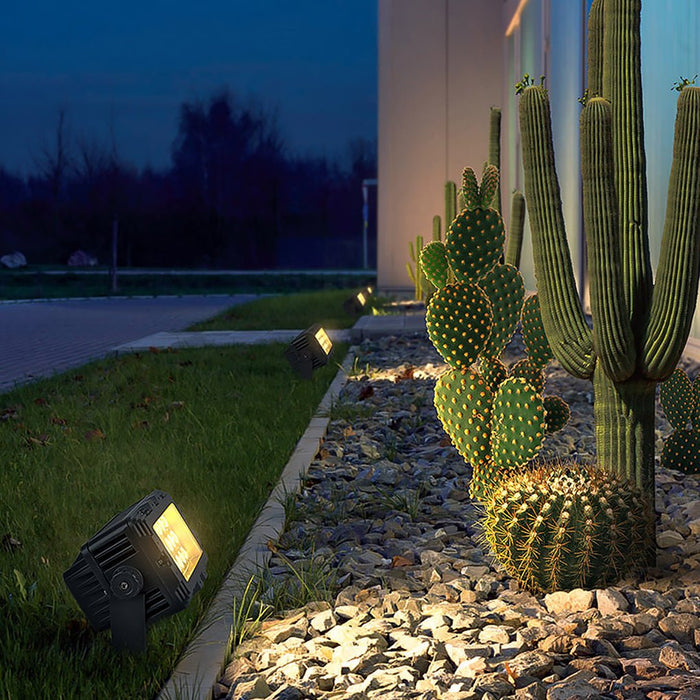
(43, 337)
(40, 338)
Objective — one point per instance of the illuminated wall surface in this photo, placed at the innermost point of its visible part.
(440, 70)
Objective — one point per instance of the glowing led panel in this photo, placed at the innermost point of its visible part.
(144, 564)
(178, 540)
(323, 340)
(355, 304)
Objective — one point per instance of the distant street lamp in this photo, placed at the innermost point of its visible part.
(309, 351)
(144, 564)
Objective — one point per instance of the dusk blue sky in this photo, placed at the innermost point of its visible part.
(132, 63)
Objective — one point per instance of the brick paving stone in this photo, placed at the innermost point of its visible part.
(40, 338)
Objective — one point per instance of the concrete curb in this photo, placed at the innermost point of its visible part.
(202, 661)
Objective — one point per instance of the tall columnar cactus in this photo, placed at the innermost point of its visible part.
(496, 420)
(514, 242)
(415, 271)
(495, 149)
(639, 326)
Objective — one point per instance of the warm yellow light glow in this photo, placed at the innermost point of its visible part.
(323, 340)
(515, 21)
(361, 298)
(370, 290)
(178, 540)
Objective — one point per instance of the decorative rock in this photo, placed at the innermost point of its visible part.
(497, 684)
(561, 602)
(279, 630)
(674, 657)
(493, 633)
(422, 611)
(323, 621)
(531, 663)
(249, 689)
(680, 626)
(611, 602)
(668, 538)
(574, 687)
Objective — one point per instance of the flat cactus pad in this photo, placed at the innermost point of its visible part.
(505, 289)
(485, 478)
(534, 337)
(470, 189)
(677, 398)
(475, 243)
(532, 374)
(463, 404)
(433, 261)
(489, 184)
(518, 424)
(557, 413)
(458, 320)
(493, 372)
(681, 451)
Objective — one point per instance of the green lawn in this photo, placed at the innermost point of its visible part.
(211, 427)
(291, 312)
(37, 283)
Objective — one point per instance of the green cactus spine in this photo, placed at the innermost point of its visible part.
(634, 343)
(562, 526)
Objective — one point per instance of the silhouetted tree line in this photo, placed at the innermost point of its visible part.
(232, 198)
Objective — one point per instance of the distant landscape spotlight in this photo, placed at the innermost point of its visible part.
(144, 564)
(309, 351)
(355, 303)
(369, 291)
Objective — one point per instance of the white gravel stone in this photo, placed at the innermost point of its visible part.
(421, 609)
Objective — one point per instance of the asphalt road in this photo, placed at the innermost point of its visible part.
(39, 338)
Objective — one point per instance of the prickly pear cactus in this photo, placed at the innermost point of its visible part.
(458, 321)
(681, 403)
(473, 319)
(557, 413)
(493, 372)
(433, 260)
(525, 369)
(504, 287)
(518, 424)
(534, 337)
(561, 526)
(678, 399)
(463, 403)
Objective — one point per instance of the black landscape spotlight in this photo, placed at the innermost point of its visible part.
(144, 564)
(309, 351)
(355, 303)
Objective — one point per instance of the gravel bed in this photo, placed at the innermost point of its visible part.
(418, 608)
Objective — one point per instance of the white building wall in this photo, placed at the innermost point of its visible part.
(440, 70)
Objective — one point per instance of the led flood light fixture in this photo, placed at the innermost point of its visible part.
(309, 351)
(144, 564)
(355, 303)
